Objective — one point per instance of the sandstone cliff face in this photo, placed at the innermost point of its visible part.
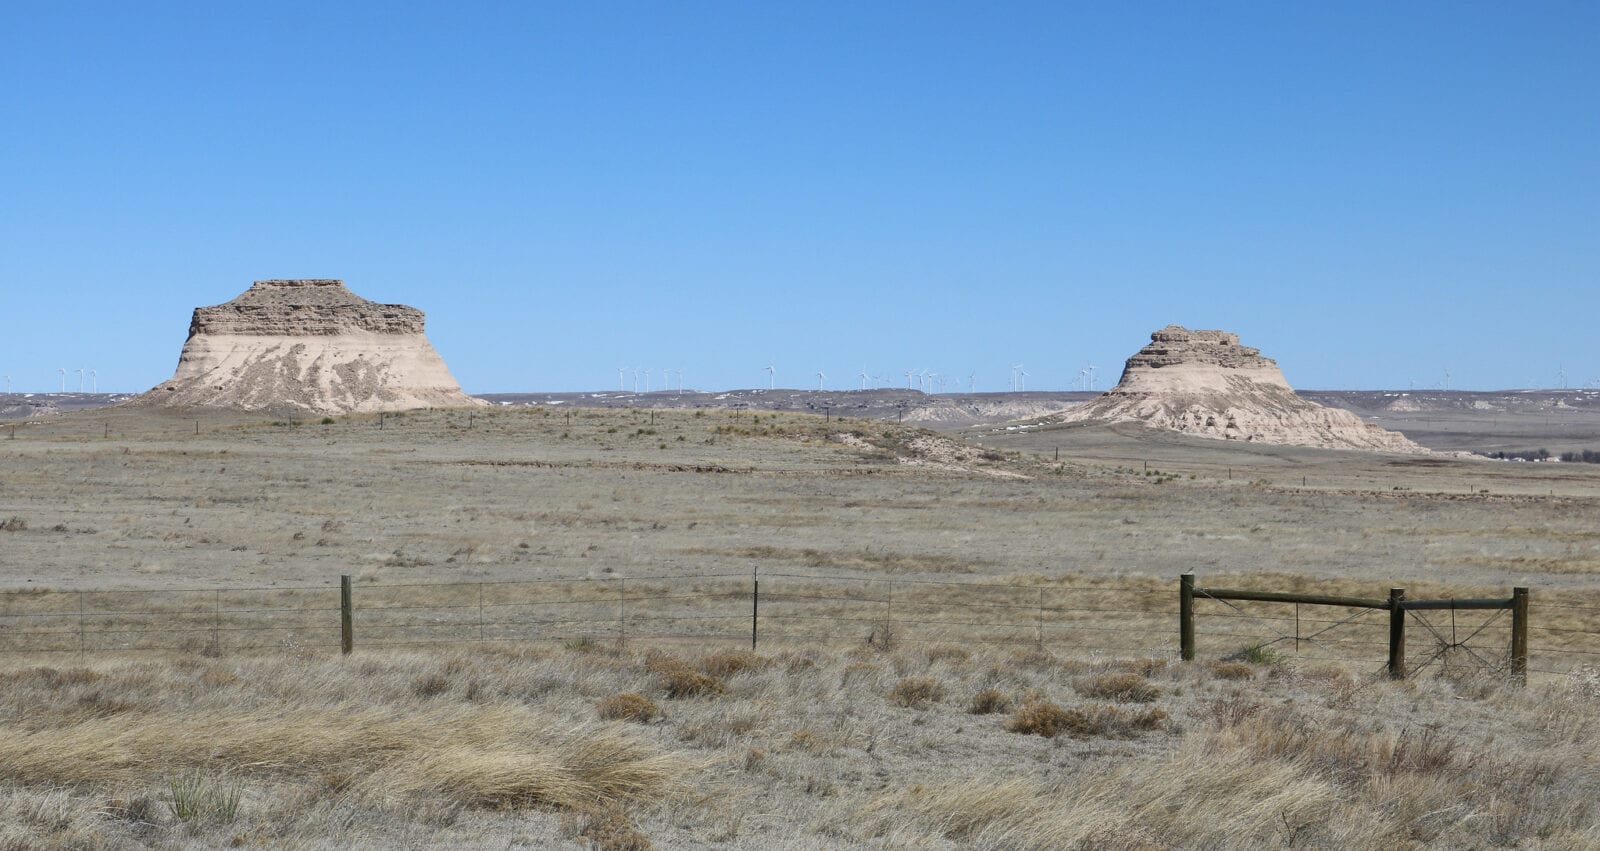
(1205, 384)
(308, 346)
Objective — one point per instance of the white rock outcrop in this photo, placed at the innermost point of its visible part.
(1205, 384)
(308, 345)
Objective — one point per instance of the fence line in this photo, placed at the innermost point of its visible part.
(778, 608)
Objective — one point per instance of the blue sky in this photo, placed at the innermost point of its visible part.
(1371, 193)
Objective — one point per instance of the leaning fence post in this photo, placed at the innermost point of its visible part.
(755, 603)
(1186, 617)
(1519, 635)
(346, 623)
(1397, 634)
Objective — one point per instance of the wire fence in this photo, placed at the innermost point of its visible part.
(1077, 616)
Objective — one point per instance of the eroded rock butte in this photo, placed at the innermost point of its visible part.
(308, 345)
(1204, 383)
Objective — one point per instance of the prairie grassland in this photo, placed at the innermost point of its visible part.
(960, 645)
(935, 747)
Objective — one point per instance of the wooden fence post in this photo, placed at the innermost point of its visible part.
(1397, 634)
(755, 603)
(346, 622)
(1519, 635)
(1186, 617)
(622, 613)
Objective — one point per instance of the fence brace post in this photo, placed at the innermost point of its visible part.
(1397, 634)
(347, 640)
(1186, 617)
(1519, 635)
(755, 603)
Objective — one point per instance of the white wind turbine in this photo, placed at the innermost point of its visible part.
(909, 374)
(63, 371)
(821, 377)
(864, 376)
(1090, 369)
(94, 381)
(1014, 369)
(79, 371)
(647, 379)
(622, 380)
(635, 379)
(1022, 378)
(772, 376)
(972, 382)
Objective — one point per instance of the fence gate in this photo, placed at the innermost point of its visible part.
(1444, 631)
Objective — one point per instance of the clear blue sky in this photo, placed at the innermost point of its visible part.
(1369, 192)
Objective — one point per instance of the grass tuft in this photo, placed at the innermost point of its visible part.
(1044, 718)
(1123, 688)
(988, 702)
(917, 692)
(727, 663)
(629, 706)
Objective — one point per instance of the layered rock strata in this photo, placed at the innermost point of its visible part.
(1205, 384)
(308, 345)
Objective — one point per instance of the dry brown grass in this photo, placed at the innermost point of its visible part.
(727, 663)
(1045, 718)
(988, 702)
(679, 679)
(629, 706)
(796, 751)
(1230, 670)
(1123, 688)
(483, 756)
(916, 692)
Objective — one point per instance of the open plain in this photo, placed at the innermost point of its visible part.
(854, 722)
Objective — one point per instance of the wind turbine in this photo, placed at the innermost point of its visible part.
(636, 380)
(909, 373)
(1023, 378)
(772, 376)
(63, 371)
(94, 381)
(1090, 370)
(1447, 378)
(1014, 369)
(647, 379)
(1562, 372)
(821, 377)
(622, 383)
(972, 382)
(864, 376)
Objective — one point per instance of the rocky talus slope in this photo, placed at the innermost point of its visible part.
(312, 346)
(1205, 384)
